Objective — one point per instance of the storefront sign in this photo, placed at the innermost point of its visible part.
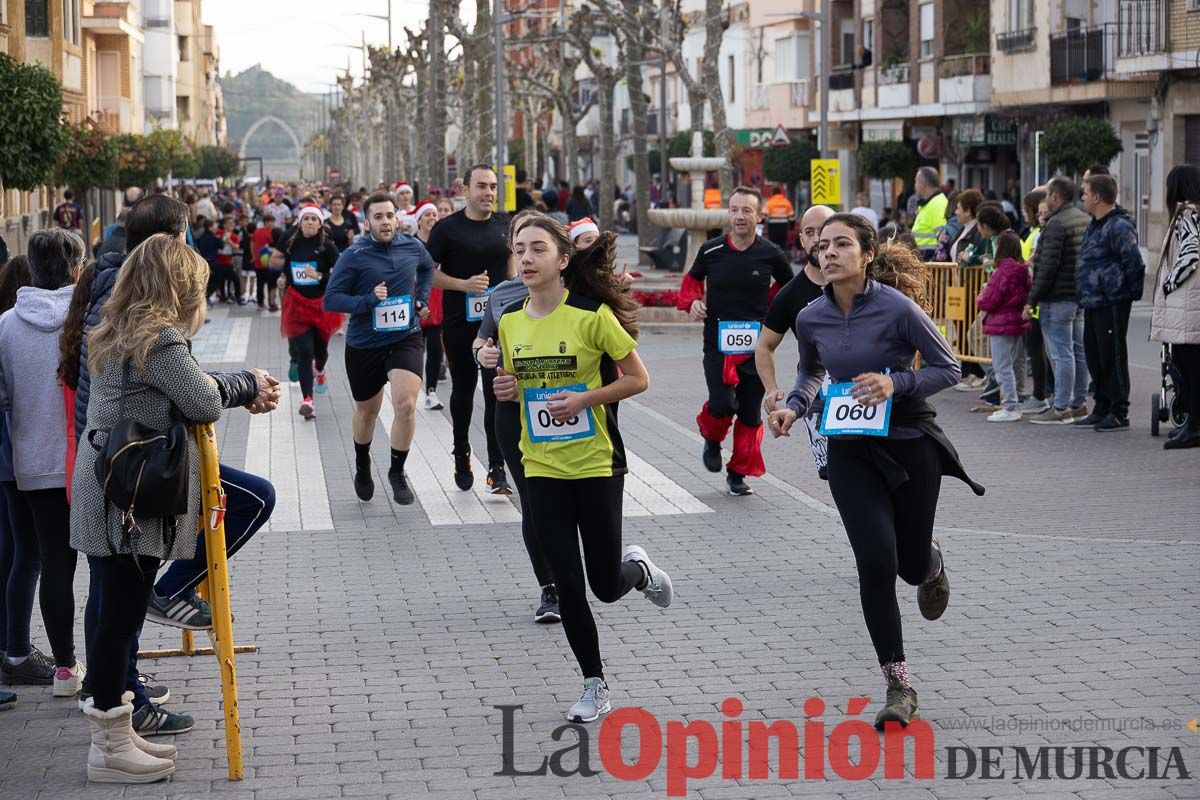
(986, 131)
(755, 139)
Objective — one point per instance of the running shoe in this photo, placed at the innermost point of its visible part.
(991, 393)
(181, 612)
(547, 612)
(432, 403)
(1005, 415)
(1089, 421)
(154, 720)
(934, 595)
(306, 409)
(293, 372)
(1080, 411)
(463, 478)
(7, 700)
(1052, 416)
(320, 380)
(35, 670)
(1034, 406)
(592, 703)
(712, 456)
(658, 588)
(901, 705)
(1112, 423)
(67, 680)
(364, 487)
(497, 481)
(737, 484)
(157, 694)
(970, 384)
(400, 491)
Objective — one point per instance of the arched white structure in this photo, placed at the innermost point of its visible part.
(287, 128)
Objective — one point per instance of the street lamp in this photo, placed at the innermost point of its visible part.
(386, 18)
(821, 19)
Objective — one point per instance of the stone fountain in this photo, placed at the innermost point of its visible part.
(698, 220)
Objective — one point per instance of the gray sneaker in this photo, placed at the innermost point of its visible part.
(1053, 416)
(36, 670)
(592, 703)
(189, 613)
(1034, 406)
(658, 588)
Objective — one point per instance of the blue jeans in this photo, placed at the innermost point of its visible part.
(1005, 352)
(1062, 328)
(249, 503)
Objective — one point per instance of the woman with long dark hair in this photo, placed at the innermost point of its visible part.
(886, 454)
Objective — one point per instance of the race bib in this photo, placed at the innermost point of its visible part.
(393, 314)
(300, 274)
(737, 338)
(477, 306)
(844, 415)
(545, 428)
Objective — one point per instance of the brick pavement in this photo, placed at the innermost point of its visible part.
(385, 640)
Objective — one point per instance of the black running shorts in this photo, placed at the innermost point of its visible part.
(368, 369)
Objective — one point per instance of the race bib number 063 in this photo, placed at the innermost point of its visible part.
(545, 428)
(393, 314)
(737, 338)
(844, 415)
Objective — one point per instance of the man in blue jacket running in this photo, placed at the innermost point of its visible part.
(383, 284)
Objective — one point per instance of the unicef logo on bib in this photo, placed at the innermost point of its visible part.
(393, 314)
(737, 338)
(545, 428)
(845, 416)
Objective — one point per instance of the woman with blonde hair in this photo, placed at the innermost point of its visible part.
(142, 369)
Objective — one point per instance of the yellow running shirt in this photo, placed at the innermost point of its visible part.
(574, 346)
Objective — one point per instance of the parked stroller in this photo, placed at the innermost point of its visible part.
(1168, 404)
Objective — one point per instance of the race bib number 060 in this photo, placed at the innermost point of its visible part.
(545, 428)
(844, 415)
(477, 306)
(737, 338)
(393, 314)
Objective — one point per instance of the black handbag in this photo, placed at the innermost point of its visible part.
(144, 471)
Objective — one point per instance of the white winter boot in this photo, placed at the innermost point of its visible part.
(113, 757)
(153, 748)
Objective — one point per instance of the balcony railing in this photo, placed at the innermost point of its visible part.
(1016, 41)
(800, 94)
(760, 99)
(1143, 27)
(841, 78)
(897, 73)
(1081, 56)
(967, 64)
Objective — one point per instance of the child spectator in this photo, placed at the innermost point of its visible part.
(1003, 299)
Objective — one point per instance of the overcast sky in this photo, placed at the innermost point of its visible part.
(300, 40)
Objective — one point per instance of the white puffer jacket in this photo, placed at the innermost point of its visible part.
(1176, 316)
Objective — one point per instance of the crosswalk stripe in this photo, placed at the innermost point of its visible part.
(282, 447)
(239, 341)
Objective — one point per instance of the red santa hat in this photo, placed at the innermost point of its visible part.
(311, 208)
(400, 186)
(424, 207)
(581, 226)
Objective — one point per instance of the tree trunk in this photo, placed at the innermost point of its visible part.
(529, 140)
(435, 106)
(468, 136)
(634, 54)
(606, 86)
(570, 146)
(486, 78)
(714, 29)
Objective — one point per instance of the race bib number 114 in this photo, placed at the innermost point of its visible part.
(844, 415)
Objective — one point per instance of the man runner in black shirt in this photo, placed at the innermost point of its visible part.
(738, 269)
(471, 246)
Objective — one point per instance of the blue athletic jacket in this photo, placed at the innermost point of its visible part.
(403, 263)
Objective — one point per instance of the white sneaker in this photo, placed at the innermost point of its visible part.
(432, 403)
(592, 703)
(1005, 415)
(969, 383)
(658, 589)
(67, 681)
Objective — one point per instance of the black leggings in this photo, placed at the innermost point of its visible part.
(52, 522)
(587, 509)
(124, 594)
(463, 376)
(890, 527)
(744, 400)
(231, 287)
(20, 565)
(304, 350)
(433, 356)
(508, 431)
(1039, 363)
(1186, 358)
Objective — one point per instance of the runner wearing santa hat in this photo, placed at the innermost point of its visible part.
(584, 232)
(404, 198)
(737, 270)
(306, 254)
(426, 216)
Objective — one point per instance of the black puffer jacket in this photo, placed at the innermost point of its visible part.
(107, 267)
(1057, 256)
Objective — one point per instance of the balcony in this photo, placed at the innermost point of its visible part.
(1081, 56)
(760, 98)
(841, 89)
(800, 94)
(1143, 27)
(894, 91)
(1016, 41)
(965, 79)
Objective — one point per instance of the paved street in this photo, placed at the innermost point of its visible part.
(387, 635)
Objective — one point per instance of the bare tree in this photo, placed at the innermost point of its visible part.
(583, 28)
(435, 98)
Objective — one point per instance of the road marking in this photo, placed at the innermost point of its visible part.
(239, 341)
(282, 447)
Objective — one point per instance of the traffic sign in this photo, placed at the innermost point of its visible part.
(510, 187)
(826, 182)
(781, 138)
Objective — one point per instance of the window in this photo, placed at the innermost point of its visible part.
(732, 83)
(70, 11)
(1191, 139)
(1020, 15)
(791, 58)
(847, 41)
(926, 30)
(183, 108)
(183, 49)
(586, 87)
(868, 40)
(37, 18)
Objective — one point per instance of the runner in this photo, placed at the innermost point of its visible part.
(426, 216)
(738, 269)
(307, 255)
(343, 226)
(584, 233)
(800, 291)
(383, 283)
(472, 251)
(557, 345)
(404, 198)
(886, 454)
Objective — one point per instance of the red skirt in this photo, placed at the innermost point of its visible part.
(301, 313)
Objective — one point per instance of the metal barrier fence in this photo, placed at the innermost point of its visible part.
(952, 291)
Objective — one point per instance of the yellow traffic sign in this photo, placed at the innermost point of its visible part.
(510, 187)
(826, 182)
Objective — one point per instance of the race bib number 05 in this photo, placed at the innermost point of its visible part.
(545, 428)
(844, 415)
(393, 314)
(300, 276)
(477, 306)
(737, 338)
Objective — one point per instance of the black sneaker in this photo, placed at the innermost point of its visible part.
(712, 456)
(548, 611)
(157, 694)
(497, 481)
(1090, 421)
(36, 670)
(7, 700)
(154, 720)
(182, 612)
(1112, 423)
(737, 484)
(901, 705)
(400, 491)
(990, 393)
(463, 478)
(364, 487)
(934, 595)
(823, 473)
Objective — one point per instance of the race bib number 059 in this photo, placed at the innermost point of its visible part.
(477, 306)
(545, 428)
(844, 415)
(300, 276)
(737, 338)
(393, 314)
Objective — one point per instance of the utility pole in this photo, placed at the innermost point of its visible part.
(501, 119)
